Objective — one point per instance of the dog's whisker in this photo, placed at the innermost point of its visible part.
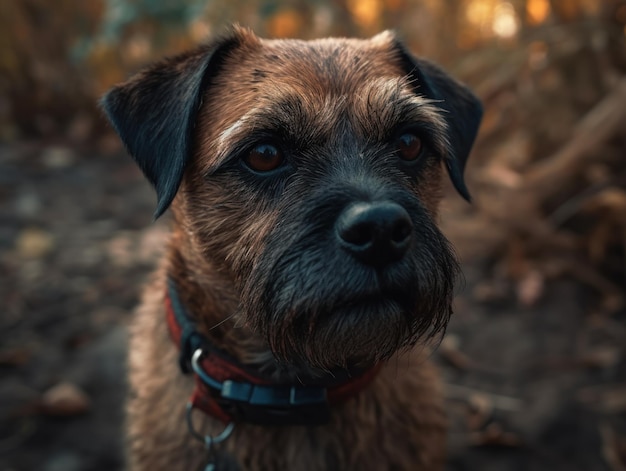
(226, 319)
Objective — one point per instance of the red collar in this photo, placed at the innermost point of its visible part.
(231, 392)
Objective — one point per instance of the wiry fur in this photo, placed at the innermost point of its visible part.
(255, 257)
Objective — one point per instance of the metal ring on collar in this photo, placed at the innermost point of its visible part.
(197, 368)
(208, 440)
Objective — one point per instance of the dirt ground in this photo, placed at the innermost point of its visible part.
(540, 389)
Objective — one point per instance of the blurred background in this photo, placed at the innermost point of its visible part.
(535, 359)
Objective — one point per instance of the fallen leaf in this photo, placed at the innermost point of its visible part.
(34, 243)
(65, 399)
(530, 288)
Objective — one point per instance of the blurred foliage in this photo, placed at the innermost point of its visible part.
(57, 57)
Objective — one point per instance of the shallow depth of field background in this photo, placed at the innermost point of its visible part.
(535, 359)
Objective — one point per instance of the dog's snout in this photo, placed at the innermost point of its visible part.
(376, 234)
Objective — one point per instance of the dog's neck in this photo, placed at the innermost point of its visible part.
(230, 390)
(209, 297)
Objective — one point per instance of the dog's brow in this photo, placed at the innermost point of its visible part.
(287, 114)
(385, 103)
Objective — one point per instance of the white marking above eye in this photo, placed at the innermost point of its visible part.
(226, 135)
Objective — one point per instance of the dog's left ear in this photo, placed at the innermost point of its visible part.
(463, 110)
(154, 112)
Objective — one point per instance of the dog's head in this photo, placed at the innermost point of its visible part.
(309, 172)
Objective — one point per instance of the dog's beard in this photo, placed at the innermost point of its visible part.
(319, 308)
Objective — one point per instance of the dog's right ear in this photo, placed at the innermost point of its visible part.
(462, 109)
(154, 113)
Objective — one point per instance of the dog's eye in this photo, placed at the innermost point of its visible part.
(264, 158)
(409, 147)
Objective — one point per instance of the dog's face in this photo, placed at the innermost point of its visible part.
(309, 173)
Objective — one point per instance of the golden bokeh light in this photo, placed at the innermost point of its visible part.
(505, 23)
(479, 12)
(537, 11)
(285, 24)
(365, 12)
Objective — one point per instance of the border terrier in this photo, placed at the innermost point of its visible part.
(305, 281)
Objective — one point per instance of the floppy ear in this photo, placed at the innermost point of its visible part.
(154, 114)
(463, 111)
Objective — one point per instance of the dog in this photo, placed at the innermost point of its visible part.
(289, 324)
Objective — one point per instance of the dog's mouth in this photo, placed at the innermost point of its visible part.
(351, 319)
(375, 303)
(356, 330)
(374, 299)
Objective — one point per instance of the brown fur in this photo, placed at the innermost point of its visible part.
(320, 91)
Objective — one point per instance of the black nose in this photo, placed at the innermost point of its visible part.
(377, 233)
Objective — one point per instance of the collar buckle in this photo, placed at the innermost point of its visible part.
(276, 405)
(266, 404)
